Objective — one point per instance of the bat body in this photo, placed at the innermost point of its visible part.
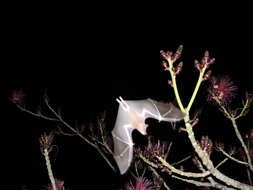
(132, 115)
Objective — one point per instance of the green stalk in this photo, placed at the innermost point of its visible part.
(174, 83)
(200, 79)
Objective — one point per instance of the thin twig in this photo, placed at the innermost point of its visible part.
(59, 119)
(80, 135)
(238, 134)
(158, 176)
(35, 114)
(245, 108)
(147, 161)
(180, 172)
(232, 158)
(168, 150)
(195, 182)
(249, 176)
(222, 162)
(182, 160)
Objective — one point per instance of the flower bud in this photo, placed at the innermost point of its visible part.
(178, 53)
(170, 83)
(165, 65)
(166, 55)
(178, 69)
(207, 75)
(197, 65)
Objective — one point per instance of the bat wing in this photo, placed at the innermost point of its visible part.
(132, 115)
(165, 111)
(123, 143)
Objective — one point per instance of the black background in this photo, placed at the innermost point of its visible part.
(84, 61)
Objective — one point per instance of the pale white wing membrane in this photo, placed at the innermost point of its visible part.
(132, 115)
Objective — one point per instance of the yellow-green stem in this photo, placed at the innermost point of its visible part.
(200, 79)
(147, 161)
(174, 83)
(183, 173)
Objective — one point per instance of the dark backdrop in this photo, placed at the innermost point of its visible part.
(85, 64)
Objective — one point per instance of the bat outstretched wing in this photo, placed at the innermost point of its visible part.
(132, 115)
(165, 111)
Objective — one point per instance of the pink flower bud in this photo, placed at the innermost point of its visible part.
(206, 144)
(166, 55)
(198, 66)
(178, 69)
(165, 65)
(178, 53)
(17, 96)
(207, 75)
(206, 60)
(170, 83)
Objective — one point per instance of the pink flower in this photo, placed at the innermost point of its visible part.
(206, 61)
(17, 96)
(221, 89)
(206, 144)
(167, 55)
(140, 184)
(59, 185)
(153, 149)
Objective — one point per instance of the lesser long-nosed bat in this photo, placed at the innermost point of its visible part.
(132, 115)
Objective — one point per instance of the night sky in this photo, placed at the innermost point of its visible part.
(85, 66)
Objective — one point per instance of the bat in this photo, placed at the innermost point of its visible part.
(132, 115)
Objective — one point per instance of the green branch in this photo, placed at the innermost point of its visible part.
(194, 94)
(174, 84)
(182, 173)
(147, 161)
